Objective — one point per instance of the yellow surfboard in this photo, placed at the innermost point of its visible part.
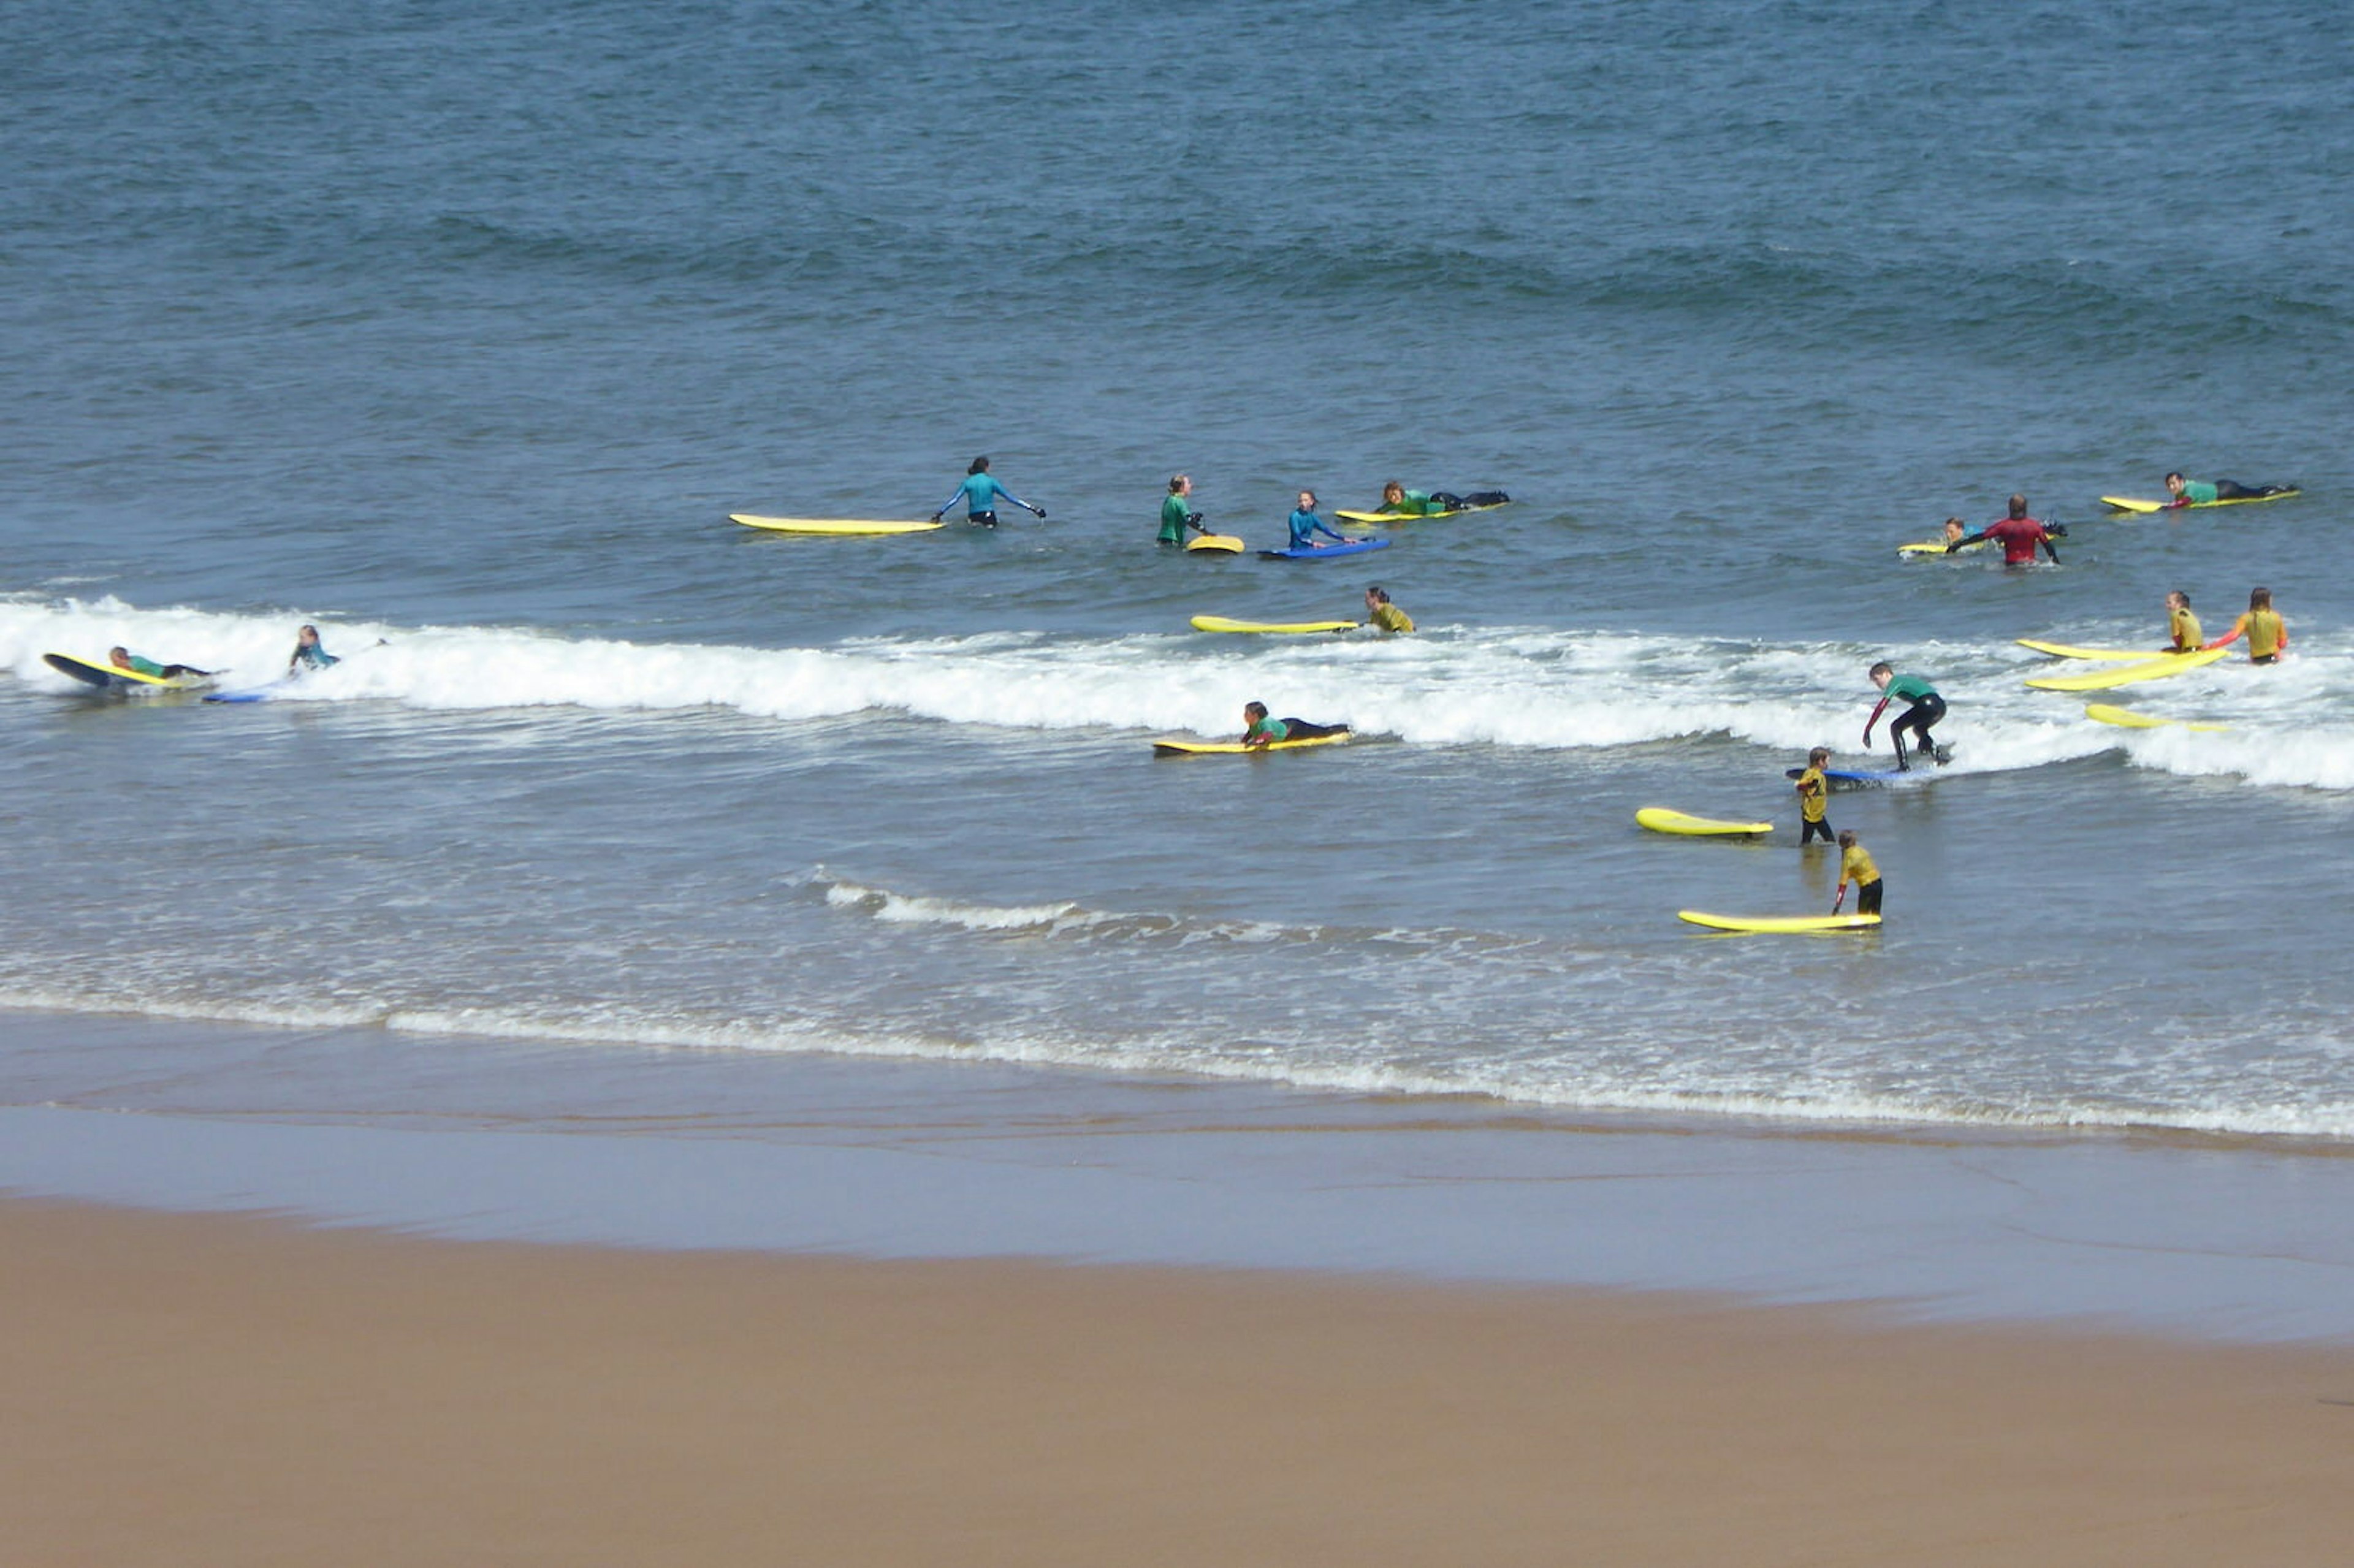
(1410, 516)
(2102, 713)
(2070, 650)
(112, 678)
(1214, 545)
(830, 525)
(2128, 504)
(1779, 922)
(1661, 819)
(2156, 668)
(1236, 749)
(1284, 628)
(1937, 547)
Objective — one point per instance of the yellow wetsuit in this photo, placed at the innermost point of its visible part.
(1812, 795)
(1857, 866)
(1390, 618)
(2265, 632)
(2184, 626)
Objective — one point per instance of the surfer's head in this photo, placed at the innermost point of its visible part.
(1954, 529)
(1254, 711)
(118, 657)
(2018, 506)
(2178, 600)
(1881, 673)
(308, 637)
(2174, 483)
(2258, 598)
(1393, 493)
(980, 465)
(1180, 485)
(1847, 838)
(1377, 595)
(1308, 500)
(1817, 756)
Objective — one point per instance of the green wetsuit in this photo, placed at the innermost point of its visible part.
(1174, 512)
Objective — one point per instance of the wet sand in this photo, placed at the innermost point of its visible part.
(230, 1389)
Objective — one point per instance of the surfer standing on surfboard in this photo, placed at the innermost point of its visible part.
(1927, 708)
(2195, 492)
(981, 492)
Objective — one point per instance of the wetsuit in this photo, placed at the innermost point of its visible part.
(2196, 492)
(2019, 536)
(1390, 618)
(2266, 633)
(1857, 866)
(1275, 729)
(2183, 627)
(1305, 525)
(163, 672)
(1174, 518)
(308, 656)
(1927, 708)
(1813, 796)
(979, 492)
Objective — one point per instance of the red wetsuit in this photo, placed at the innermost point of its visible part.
(2019, 536)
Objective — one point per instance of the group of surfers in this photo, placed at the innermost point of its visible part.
(309, 654)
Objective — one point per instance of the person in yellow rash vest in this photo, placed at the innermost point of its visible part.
(1380, 612)
(1857, 865)
(1814, 794)
(2266, 632)
(2181, 625)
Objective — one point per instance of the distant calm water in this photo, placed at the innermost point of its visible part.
(465, 326)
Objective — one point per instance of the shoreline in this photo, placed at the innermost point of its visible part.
(223, 1387)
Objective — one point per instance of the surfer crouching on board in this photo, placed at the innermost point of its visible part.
(981, 492)
(1927, 708)
(2018, 533)
(2266, 632)
(123, 659)
(2195, 492)
(1260, 730)
(1857, 865)
(1176, 516)
(1305, 525)
(2181, 625)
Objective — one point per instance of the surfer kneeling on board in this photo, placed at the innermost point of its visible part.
(123, 659)
(1857, 865)
(1927, 708)
(2194, 493)
(2181, 625)
(2266, 632)
(1380, 612)
(981, 492)
(308, 653)
(1175, 515)
(1260, 730)
(2018, 533)
(1305, 525)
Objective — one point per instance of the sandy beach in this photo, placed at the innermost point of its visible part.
(230, 1389)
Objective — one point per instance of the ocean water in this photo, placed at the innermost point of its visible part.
(460, 330)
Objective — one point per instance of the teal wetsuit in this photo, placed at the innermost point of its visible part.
(979, 494)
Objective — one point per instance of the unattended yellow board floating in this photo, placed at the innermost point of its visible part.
(1289, 628)
(1661, 820)
(1235, 747)
(1215, 545)
(2102, 713)
(831, 526)
(2156, 668)
(2070, 650)
(1779, 922)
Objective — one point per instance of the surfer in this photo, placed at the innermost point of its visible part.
(2181, 625)
(1259, 730)
(1814, 795)
(2266, 632)
(2197, 493)
(1175, 515)
(1957, 534)
(1380, 612)
(1398, 501)
(1857, 865)
(308, 653)
(2018, 533)
(981, 492)
(1927, 708)
(1305, 525)
(123, 659)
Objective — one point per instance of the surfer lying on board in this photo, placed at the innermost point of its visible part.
(2266, 632)
(1381, 613)
(1305, 525)
(981, 492)
(1175, 515)
(1856, 865)
(1260, 730)
(123, 659)
(2181, 625)
(1397, 499)
(1927, 708)
(1814, 795)
(2196, 492)
(308, 653)
(2018, 533)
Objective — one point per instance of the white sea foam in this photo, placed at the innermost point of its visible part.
(1514, 687)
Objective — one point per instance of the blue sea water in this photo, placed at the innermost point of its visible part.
(466, 327)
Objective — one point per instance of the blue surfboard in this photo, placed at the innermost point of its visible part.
(1354, 548)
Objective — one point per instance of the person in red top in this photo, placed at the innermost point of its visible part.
(2018, 535)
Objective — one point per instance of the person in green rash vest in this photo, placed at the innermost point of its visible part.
(1260, 730)
(1176, 514)
(123, 659)
(1927, 708)
(309, 654)
(2202, 492)
(1400, 502)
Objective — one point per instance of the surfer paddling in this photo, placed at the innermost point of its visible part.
(1397, 501)
(1925, 708)
(2266, 632)
(1260, 731)
(123, 659)
(2207, 492)
(980, 491)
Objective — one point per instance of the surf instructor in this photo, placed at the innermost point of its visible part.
(2018, 533)
(1927, 708)
(981, 492)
